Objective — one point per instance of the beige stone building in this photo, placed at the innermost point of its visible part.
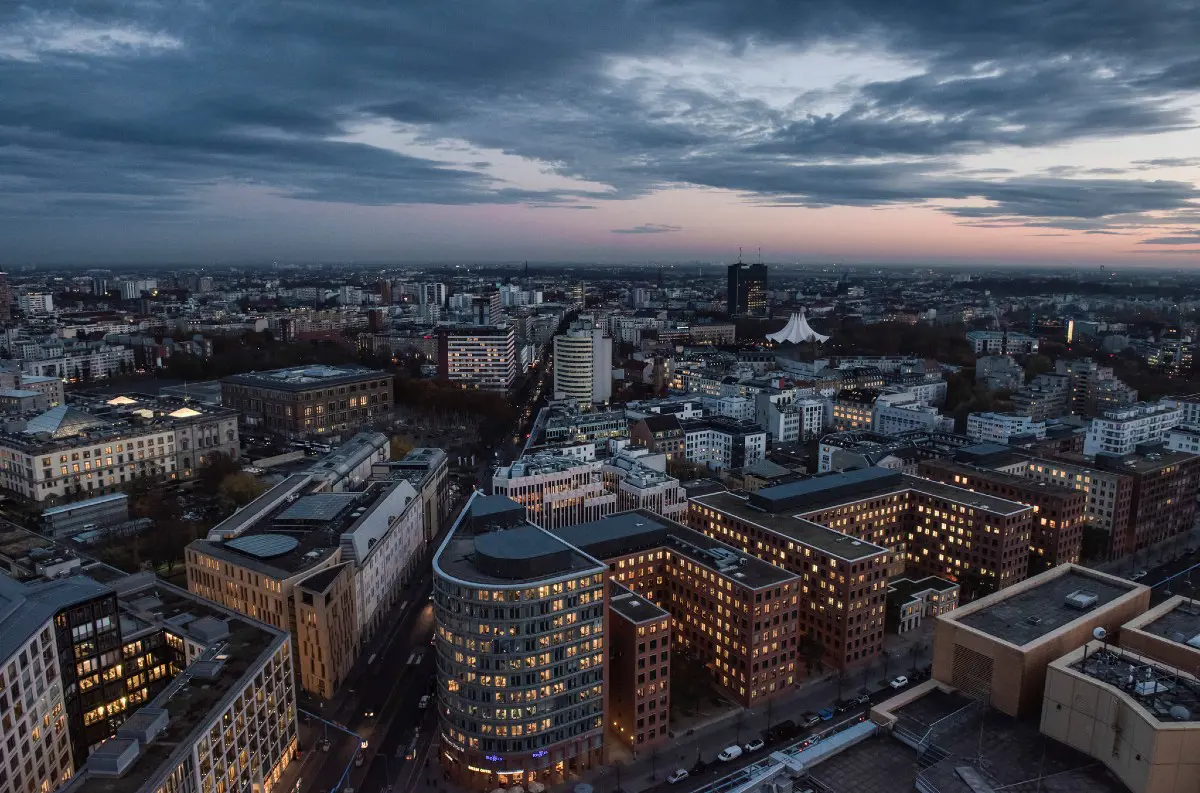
(997, 648)
(1130, 712)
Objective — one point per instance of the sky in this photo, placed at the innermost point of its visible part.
(859, 131)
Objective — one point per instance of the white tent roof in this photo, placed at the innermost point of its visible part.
(796, 331)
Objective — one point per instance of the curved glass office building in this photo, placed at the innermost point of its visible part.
(521, 628)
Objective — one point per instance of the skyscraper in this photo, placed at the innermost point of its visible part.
(747, 294)
(583, 364)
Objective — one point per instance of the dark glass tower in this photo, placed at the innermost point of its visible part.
(747, 293)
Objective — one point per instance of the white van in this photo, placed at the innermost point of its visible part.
(730, 753)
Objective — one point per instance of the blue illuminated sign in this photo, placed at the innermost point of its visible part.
(495, 758)
(540, 753)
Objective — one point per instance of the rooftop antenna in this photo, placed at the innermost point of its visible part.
(739, 261)
(760, 261)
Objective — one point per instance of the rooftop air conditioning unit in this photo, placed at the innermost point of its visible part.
(1081, 600)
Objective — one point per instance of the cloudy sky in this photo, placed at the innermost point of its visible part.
(1045, 131)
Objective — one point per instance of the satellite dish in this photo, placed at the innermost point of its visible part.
(1099, 633)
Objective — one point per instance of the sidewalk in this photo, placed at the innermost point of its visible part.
(1153, 556)
(738, 726)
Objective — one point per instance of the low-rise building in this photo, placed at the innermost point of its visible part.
(997, 648)
(309, 400)
(555, 490)
(1121, 430)
(71, 452)
(993, 342)
(1003, 427)
(721, 443)
(910, 601)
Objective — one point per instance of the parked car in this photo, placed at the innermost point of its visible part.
(358, 759)
(781, 731)
(900, 681)
(754, 745)
(730, 753)
(678, 775)
(1139, 575)
(862, 699)
(325, 744)
(810, 719)
(843, 705)
(423, 702)
(825, 713)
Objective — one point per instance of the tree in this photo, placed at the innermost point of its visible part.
(238, 490)
(399, 446)
(813, 652)
(215, 469)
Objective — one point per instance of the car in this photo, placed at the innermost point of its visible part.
(754, 745)
(810, 719)
(678, 775)
(368, 714)
(899, 681)
(781, 731)
(862, 699)
(358, 759)
(325, 744)
(423, 702)
(825, 713)
(730, 753)
(1139, 575)
(843, 705)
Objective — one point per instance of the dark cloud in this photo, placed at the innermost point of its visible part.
(649, 228)
(1188, 239)
(264, 94)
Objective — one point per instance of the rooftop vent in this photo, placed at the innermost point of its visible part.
(1081, 600)
(1034, 620)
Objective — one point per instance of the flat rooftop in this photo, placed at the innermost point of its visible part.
(189, 707)
(1161, 690)
(302, 378)
(1181, 624)
(1014, 754)
(632, 606)
(287, 536)
(639, 530)
(518, 552)
(1029, 614)
(792, 527)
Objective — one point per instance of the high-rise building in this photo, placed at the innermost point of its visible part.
(6, 298)
(747, 289)
(483, 357)
(583, 365)
(34, 304)
(526, 703)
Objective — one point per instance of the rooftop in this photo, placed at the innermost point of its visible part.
(1035, 611)
(518, 553)
(814, 535)
(540, 463)
(633, 607)
(289, 531)
(243, 645)
(1179, 624)
(1166, 693)
(302, 378)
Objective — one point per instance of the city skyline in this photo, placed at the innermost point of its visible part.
(847, 132)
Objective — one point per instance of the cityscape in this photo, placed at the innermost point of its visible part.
(521, 527)
(621, 397)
